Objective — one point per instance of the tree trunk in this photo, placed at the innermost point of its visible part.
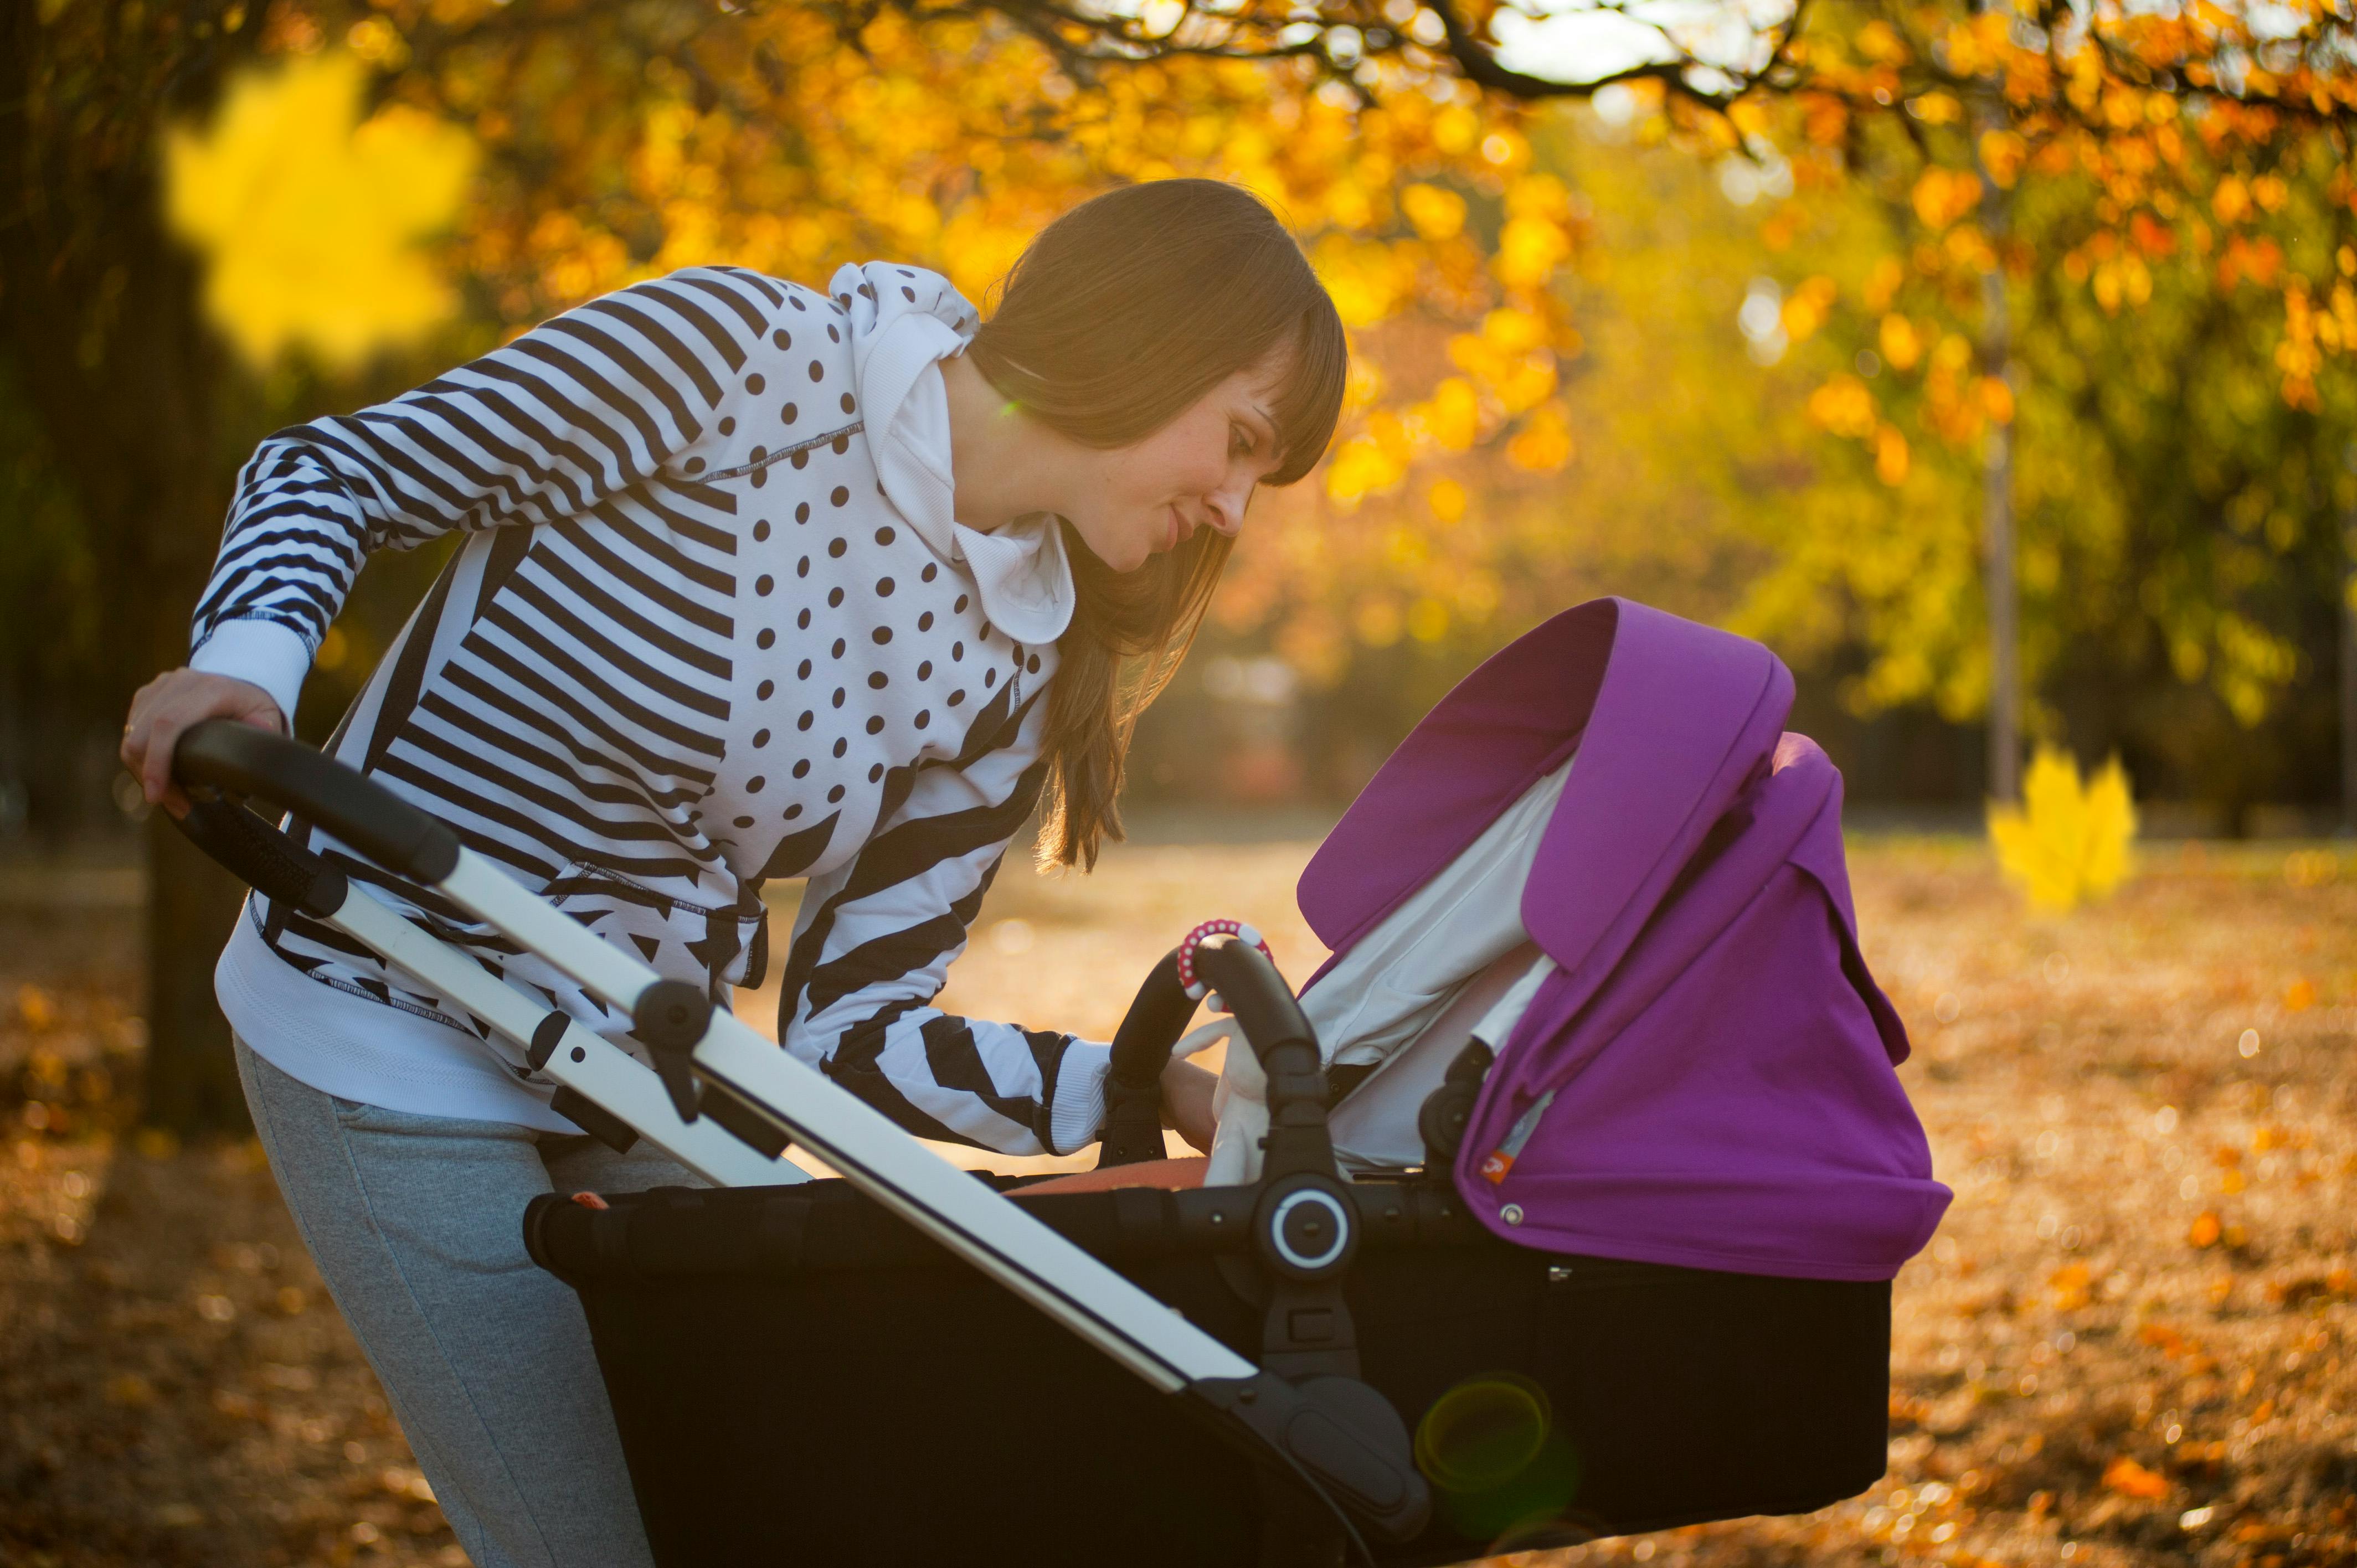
(2000, 582)
(99, 313)
(2349, 665)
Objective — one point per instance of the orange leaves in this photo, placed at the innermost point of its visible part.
(2001, 154)
(2071, 1285)
(2206, 1230)
(1805, 308)
(1544, 443)
(2130, 1479)
(1941, 196)
(2299, 354)
(1891, 458)
(1845, 407)
(2260, 263)
(1901, 345)
(2150, 236)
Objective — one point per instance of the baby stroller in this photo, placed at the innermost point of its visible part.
(1612, 1333)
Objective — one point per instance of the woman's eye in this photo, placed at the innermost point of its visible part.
(1239, 440)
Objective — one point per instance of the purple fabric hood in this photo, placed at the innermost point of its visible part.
(1722, 1067)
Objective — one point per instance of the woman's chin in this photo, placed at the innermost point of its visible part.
(1131, 555)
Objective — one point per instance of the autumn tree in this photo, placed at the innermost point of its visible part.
(617, 138)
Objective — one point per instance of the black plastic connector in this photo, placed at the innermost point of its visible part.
(593, 1119)
(1447, 1111)
(1335, 1433)
(264, 858)
(670, 1018)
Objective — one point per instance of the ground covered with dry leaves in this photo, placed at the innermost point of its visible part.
(2131, 1342)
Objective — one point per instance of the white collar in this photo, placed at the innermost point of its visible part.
(904, 322)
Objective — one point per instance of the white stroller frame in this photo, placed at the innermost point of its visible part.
(1333, 1434)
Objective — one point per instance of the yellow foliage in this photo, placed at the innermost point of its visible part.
(1879, 42)
(1453, 417)
(1883, 282)
(310, 219)
(2068, 841)
(1437, 214)
(1529, 250)
(1448, 500)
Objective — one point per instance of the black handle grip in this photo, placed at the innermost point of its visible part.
(239, 759)
(1281, 1037)
(1141, 1050)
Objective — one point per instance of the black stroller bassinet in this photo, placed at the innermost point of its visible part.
(908, 1366)
(800, 1377)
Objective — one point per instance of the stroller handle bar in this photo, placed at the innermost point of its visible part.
(239, 759)
(1351, 1456)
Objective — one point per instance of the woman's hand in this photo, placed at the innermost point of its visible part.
(1187, 1103)
(169, 704)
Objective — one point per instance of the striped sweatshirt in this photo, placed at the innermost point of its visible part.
(712, 622)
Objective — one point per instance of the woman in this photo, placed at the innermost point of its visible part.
(760, 581)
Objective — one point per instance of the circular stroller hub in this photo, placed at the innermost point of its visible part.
(1307, 1230)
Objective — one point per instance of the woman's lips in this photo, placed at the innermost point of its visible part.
(1179, 530)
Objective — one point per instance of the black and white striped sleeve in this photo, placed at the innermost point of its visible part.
(579, 408)
(872, 948)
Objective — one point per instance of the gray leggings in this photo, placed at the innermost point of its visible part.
(416, 1225)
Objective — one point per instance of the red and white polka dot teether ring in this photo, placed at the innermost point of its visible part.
(1199, 989)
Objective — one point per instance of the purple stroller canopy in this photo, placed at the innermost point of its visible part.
(1713, 1065)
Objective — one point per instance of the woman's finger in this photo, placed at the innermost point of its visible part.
(162, 734)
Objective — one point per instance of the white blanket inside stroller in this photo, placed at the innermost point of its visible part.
(1452, 964)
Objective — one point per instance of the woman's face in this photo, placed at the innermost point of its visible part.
(1198, 471)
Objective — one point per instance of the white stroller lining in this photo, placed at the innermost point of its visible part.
(1428, 973)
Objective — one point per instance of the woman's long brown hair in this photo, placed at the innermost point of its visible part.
(1120, 315)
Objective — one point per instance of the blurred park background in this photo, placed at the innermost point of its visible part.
(1990, 359)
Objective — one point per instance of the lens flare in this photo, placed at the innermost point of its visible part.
(1501, 1471)
(1483, 1432)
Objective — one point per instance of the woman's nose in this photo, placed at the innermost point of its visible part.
(1226, 507)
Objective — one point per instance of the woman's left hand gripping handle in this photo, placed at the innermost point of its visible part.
(167, 706)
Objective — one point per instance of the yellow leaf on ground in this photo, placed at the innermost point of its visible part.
(2066, 842)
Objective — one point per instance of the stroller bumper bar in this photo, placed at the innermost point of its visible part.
(1335, 1436)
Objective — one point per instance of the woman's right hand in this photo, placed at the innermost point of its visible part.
(171, 704)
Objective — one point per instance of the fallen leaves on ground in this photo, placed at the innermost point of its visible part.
(2110, 1355)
